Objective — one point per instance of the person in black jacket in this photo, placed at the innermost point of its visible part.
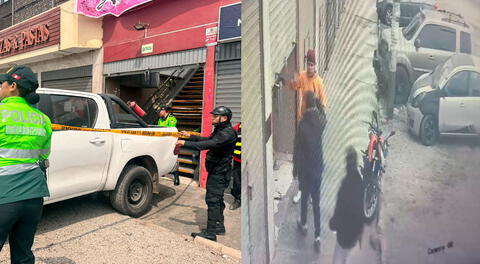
(348, 220)
(220, 144)
(308, 162)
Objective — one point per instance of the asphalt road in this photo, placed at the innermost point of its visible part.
(87, 230)
(430, 211)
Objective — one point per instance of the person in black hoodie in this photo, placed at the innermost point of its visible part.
(347, 220)
(308, 162)
(220, 145)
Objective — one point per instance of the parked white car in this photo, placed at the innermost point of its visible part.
(446, 101)
(126, 166)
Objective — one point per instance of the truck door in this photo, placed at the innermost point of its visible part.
(78, 159)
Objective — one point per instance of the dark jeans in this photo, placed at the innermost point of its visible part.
(19, 222)
(315, 194)
(214, 199)
(237, 180)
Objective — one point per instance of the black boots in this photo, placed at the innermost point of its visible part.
(176, 178)
(219, 229)
(206, 234)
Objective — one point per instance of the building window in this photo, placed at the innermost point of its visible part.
(3, 1)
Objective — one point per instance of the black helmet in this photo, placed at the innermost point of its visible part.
(222, 111)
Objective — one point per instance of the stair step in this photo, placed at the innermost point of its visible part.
(187, 101)
(186, 115)
(186, 107)
(187, 152)
(187, 123)
(194, 92)
(188, 111)
(187, 161)
(190, 96)
(186, 170)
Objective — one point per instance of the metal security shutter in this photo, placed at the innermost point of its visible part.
(78, 79)
(228, 89)
(83, 84)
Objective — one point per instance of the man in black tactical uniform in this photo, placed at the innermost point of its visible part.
(220, 144)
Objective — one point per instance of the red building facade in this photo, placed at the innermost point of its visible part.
(156, 35)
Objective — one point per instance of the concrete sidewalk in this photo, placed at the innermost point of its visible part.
(88, 230)
(182, 209)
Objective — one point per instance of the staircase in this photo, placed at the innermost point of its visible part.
(187, 105)
(187, 108)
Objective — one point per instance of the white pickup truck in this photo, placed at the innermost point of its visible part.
(127, 167)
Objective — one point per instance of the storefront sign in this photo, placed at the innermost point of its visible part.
(211, 35)
(147, 48)
(230, 22)
(28, 38)
(99, 8)
(35, 33)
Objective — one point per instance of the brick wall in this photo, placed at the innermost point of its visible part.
(5, 15)
(25, 9)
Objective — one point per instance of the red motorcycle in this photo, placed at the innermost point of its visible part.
(374, 159)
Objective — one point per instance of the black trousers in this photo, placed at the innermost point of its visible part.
(19, 222)
(216, 185)
(237, 180)
(315, 194)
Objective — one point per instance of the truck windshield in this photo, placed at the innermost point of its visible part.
(412, 28)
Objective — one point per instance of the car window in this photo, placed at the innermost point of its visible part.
(437, 37)
(409, 9)
(122, 116)
(465, 43)
(475, 84)
(457, 85)
(72, 111)
(410, 30)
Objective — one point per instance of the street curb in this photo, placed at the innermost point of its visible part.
(220, 248)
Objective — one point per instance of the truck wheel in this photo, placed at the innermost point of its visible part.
(133, 194)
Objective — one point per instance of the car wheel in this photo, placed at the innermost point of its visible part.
(133, 193)
(428, 130)
(388, 15)
(402, 86)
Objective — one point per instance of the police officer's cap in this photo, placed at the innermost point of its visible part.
(23, 76)
(222, 111)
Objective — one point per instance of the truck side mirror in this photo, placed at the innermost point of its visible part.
(417, 44)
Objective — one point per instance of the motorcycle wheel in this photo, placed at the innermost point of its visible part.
(371, 200)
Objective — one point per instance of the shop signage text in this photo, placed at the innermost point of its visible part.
(147, 48)
(28, 38)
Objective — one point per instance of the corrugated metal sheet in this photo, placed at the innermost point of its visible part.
(185, 57)
(77, 78)
(228, 51)
(283, 21)
(228, 88)
(83, 84)
(82, 71)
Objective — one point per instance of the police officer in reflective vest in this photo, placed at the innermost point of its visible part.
(169, 120)
(220, 144)
(25, 136)
(236, 171)
(166, 118)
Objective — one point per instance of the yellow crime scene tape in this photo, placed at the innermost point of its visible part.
(129, 132)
